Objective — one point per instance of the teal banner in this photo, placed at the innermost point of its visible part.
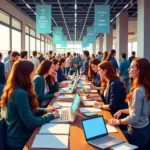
(102, 19)
(85, 42)
(91, 35)
(57, 35)
(64, 42)
(43, 19)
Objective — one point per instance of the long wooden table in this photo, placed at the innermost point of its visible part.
(76, 138)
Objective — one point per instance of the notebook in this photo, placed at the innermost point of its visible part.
(88, 109)
(50, 141)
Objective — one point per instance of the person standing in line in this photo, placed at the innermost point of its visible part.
(85, 63)
(99, 57)
(75, 64)
(41, 58)
(138, 99)
(8, 64)
(19, 100)
(132, 57)
(24, 55)
(34, 60)
(68, 63)
(2, 75)
(105, 54)
(123, 71)
(8, 57)
(112, 60)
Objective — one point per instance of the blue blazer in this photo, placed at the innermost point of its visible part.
(115, 96)
(61, 75)
(85, 66)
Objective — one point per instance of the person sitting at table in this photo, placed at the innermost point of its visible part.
(113, 92)
(45, 83)
(56, 67)
(138, 99)
(93, 74)
(60, 71)
(22, 112)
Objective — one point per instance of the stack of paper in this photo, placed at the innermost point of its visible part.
(87, 109)
(64, 97)
(67, 81)
(50, 141)
(63, 104)
(52, 128)
(111, 129)
(124, 146)
(89, 103)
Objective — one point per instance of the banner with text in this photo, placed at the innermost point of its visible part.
(57, 35)
(91, 35)
(43, 19)
(64, 41)
(102, 19)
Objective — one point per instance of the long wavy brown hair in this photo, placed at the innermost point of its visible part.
(143, 78)
(20, 77)
(43, 69)
(110, 74)
(94, 61)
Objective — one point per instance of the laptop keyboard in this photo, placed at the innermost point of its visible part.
(102, 140)
(65, 115)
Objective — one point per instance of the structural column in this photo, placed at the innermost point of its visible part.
(143, 29)
(94, 49)
(108, 40)
(100, 38)
(121, 35)
(54, 48)
(23, 37)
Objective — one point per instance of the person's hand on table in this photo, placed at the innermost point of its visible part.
(48, 110)
(113, 122)
(92, 86)
(68, 78)
(89, 96)
(56, 114)
(64, 84)
(98, 106)
(57, 94)
(117, 114)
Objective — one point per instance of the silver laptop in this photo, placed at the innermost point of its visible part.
(69, 91)
(86, 90)
(96, 133)
(68, 115)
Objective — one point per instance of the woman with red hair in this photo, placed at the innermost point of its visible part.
(112, 90)
(22, 112)
(138, 100)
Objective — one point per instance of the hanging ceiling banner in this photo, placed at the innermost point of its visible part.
(43, 19)
(64, 42)
(85, 42)
(91, 35)
(102, 19)
(57, 35)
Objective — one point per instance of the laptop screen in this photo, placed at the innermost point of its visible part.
(94, 127)
(73, 86)
(75, 103)
(81, 85)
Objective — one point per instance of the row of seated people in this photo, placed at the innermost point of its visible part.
(27, 94)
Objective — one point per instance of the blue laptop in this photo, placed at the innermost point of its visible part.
(96, 133)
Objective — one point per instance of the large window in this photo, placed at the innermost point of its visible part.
(27, 43)
(32, 45)
(38, 45)
(16, 40)
(4, 40)
(42, 47)
(10, 33)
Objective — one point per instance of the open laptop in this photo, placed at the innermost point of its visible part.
(69, 91)
(86, 90)
(96, 133)
(68, 115)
